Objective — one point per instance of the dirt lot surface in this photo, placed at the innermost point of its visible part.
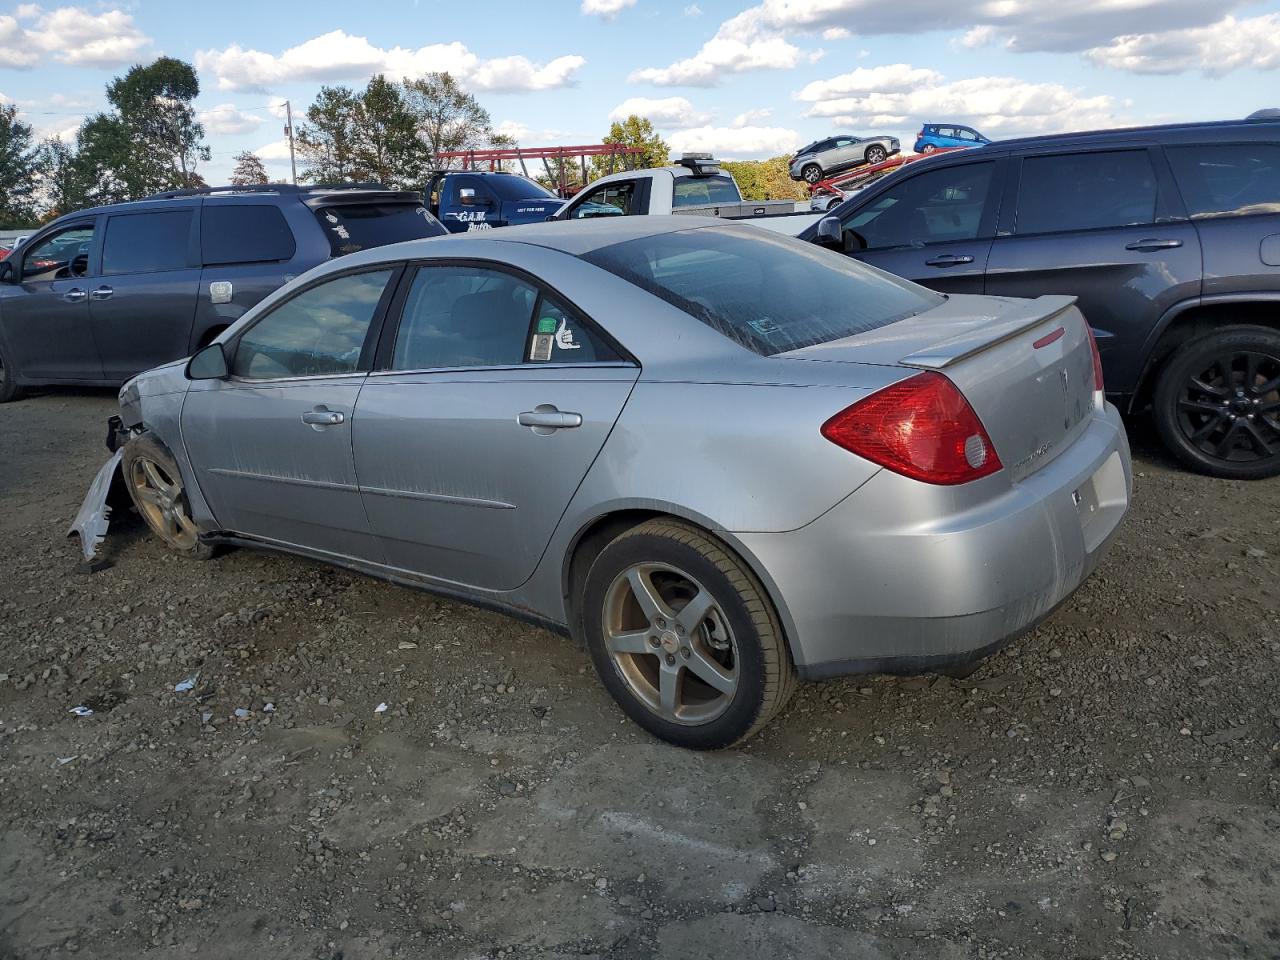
(1107, 787)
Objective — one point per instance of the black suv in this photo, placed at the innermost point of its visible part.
(99, 295)
(1169, 236)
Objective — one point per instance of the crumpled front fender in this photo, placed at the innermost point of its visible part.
(94, 515)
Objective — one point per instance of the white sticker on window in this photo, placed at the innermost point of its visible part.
(564, 338)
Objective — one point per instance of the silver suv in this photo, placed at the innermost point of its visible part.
(822, 158)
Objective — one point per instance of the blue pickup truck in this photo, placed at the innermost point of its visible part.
(465, 200)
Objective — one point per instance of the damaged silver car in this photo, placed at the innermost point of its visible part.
(722, 459)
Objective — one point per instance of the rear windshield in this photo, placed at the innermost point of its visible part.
(691, 191)
(358, 226)
(767, 292)
(514, 187)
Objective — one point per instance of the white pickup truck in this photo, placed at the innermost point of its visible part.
(694, 186)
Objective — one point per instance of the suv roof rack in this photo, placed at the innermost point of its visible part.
(267, 188)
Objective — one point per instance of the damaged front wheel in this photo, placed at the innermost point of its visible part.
(155, 485)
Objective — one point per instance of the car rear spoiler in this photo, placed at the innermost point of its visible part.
(1016, 321)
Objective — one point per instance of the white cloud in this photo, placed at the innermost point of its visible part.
(976, 37)
(70, 35)
(608, 9)
(836, 33)
(752, 117)
(227, 119)
(692, 10)
(731, 142)
(512, 128)
(275, 152)
(899, 96)
(668, 113)
(738, 46)
(1219, 48)
(338, 55)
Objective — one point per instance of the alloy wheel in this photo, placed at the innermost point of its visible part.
(161, 500)
(1230, 410)
(876, 155)
(671, 643)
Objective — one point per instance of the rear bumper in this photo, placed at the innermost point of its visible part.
(880, 584)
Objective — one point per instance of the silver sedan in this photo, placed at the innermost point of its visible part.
(719, 457)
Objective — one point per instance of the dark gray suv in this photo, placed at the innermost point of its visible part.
(1169, 236)
(101, 294)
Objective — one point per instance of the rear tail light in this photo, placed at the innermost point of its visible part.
(922, 428)
(1097, 360)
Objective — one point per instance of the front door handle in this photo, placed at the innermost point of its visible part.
(323, 418)
(1150, 245)
(950, 260)
(74, 295)
(549, 418)
(102, 293)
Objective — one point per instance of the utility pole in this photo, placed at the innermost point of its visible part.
(288, 130)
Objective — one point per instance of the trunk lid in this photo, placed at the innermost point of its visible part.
(1025, 366)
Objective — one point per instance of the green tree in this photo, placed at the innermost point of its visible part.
(248, 170)
(63, 184)
(766, 179)
(19, 170)
(386, 147)
(634, 131)
(327, 142)
(446, 116)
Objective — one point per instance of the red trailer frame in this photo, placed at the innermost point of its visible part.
(871, 173)
(559, 155)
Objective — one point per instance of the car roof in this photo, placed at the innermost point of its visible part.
(1086, 137)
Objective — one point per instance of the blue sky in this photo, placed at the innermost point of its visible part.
(739, 78)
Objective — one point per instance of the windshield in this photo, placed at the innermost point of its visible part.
(691, 191)
(359, 226)
(513, 187)
(769, 293)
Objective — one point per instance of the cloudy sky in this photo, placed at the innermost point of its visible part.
(738, 78)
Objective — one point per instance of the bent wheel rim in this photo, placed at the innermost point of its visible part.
(671, 643)
(162, 503)
(1230, 410)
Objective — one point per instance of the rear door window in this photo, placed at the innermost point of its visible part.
(1086, 191)
(147, 242)
(939, 206)
(244, 233)
(351, 227)
(691, 191)
(1228, 180)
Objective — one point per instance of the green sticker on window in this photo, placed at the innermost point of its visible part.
(547, 325)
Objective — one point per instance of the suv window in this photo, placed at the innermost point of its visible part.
(1228, 179)
(147, 242)
(65, 254)
(359, 226)
(320, 332)
(468, 316)
(934, 207)
(768, 293)
(244, 233)
(1086, 191)
(611, 200)
(691, 191)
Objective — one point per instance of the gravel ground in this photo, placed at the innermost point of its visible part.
(1107, 787)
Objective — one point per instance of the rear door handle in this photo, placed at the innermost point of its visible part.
(324, 418)
(1150, 245)
(102, 293)
(549, 418)
(74, 296)
(950, 260)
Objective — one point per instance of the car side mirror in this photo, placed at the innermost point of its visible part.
(209, 363)
(830, 233)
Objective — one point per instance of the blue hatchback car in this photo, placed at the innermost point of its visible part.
(943, 136)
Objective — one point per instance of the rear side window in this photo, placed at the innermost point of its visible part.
(768, 293)
(147, 242)
(1228, 180)
(351, 227)
(691, 191)
(320, 332)
(244, 233)
(1086, 191)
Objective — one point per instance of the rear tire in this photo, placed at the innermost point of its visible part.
(928, 148)
(684, 638)
(155, 485)
(1217, 403)
(9, 389)
(876, 154)
(812, 173)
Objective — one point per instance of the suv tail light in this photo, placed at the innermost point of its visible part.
(922, 428)
(1097, 359)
